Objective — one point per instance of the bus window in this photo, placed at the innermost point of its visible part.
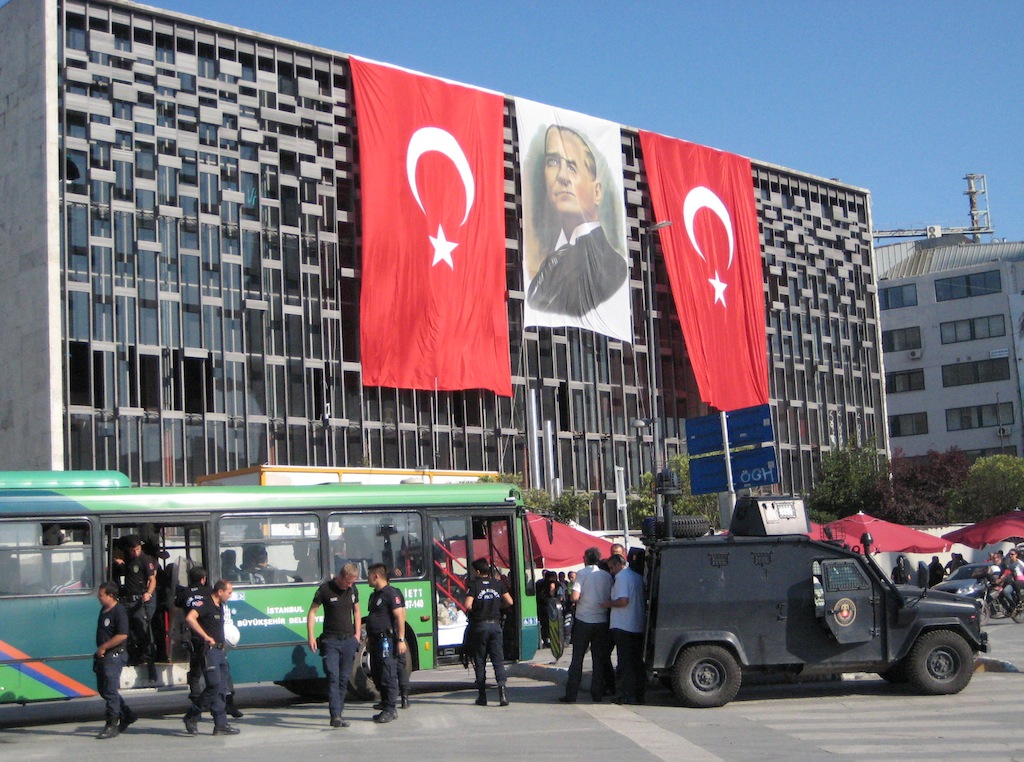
(278, 550)
(45, 557)
(393, 539)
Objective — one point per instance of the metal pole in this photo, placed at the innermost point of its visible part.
(726, 511)
(661, 507)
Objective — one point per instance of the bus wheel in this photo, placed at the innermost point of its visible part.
(706, 676)
(360, 685)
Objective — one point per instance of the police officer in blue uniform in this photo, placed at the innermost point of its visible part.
(385, 638)
(484, 601)
(109, 660)
(137, 574)
(207, 622)
(339, 641)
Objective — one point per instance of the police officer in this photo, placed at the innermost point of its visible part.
(137, 574)
(188, 598)
(339, 641)
(109, 660)
(484, 600)
(385, 634)
(207, 622)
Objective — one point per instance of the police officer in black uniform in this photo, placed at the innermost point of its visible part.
(339, 641)
(137, 574)
(109, 660)
(484, 601)
(385, 633)
(207, 622)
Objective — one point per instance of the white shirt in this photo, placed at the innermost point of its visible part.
(631, 617)
(594, 586)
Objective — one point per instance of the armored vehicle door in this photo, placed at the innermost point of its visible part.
(844, 600)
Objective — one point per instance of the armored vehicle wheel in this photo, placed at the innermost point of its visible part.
(941, 662)
(685, 526)
(705, 676)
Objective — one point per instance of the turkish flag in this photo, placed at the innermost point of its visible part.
(431, 158)
(713, 256)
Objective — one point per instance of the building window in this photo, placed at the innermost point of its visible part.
(979, 416)
(904, 381)
(966, 286)
(985, 327)
(895, 297)
(900, 339)
(908, 424)
(976, 372)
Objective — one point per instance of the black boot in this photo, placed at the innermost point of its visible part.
(110, 731)
(481, 699)
(233, 710)
(502, 696)
(405, 701)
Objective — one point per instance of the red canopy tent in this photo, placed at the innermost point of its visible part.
(557, 545)
(886, 536)
(990, 531)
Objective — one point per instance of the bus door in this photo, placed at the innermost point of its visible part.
(177, 546)
(457, 542)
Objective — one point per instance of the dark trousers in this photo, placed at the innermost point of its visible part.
(595, 638)
(487, 638)
(140, 631)
(384, 669)
(108, 684)
(196, 679)
(215, 673)
(338, 654)
(632, 677)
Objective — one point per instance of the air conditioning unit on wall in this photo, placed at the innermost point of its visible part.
(916, 354)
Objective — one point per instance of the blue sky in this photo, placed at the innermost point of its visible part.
(901, 98)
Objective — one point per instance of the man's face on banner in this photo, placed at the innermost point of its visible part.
(570, 174)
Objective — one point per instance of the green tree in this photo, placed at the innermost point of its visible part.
(641, 503)
(994, 485)
(849, 480)
(922, 490)
(570, 505)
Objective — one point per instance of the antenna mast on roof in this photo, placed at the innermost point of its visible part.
(981, 220)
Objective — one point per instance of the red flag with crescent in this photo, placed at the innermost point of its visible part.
(713, 256)
(433, 302)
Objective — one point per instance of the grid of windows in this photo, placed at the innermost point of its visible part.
(966, 286)
(211, 287)
(976, 372)
(986, 327)
(908, 424)
(894, 297)
(904, 381)
(900, 339)
(979, 416)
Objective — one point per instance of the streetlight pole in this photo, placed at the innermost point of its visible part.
(661, 508)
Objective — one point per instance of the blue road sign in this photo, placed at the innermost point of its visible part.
(747, 426)
(750, 468)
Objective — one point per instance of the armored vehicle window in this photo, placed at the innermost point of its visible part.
(844, 576)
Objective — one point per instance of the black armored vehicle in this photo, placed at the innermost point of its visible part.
(766, 598)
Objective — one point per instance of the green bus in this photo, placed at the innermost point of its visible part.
(61, 531)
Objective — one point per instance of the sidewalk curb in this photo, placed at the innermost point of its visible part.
(988, 664)
(534, 670)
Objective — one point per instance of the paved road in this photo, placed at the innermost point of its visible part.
(857, 719)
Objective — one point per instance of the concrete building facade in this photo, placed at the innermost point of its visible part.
(951, 334)
(180, 228)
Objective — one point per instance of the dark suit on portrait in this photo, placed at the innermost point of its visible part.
(578, 277)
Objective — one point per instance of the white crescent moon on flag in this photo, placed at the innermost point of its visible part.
(435, 139)
(704, 198)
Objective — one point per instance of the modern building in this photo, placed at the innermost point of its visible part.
(180, 235)
(952, 314)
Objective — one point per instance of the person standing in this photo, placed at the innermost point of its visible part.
(137, 575)
(385, 636)
(109, 660)
(627, 623)
(339, 639)
(207, 622)
(484, 601)
(590, 630)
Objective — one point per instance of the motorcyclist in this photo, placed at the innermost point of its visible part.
(1011, 575)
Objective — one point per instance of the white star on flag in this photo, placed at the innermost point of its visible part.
(719, 287)
(442, 248)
